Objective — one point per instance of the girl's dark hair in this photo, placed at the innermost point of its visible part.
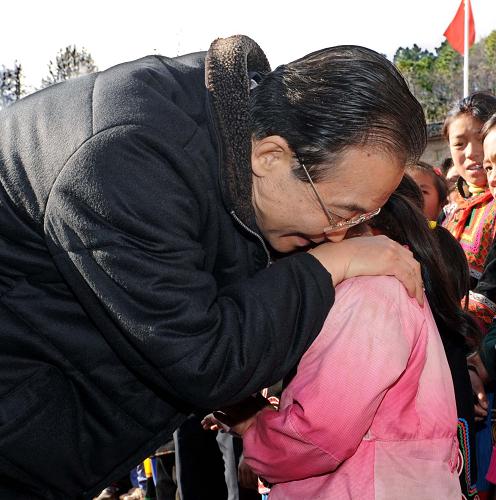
(336, 98)
(455, 262)
(479, 105)
(488, 126)
(403, 222)
(410, 189)
(440, 182)
(446, 165)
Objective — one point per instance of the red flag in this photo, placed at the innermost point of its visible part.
(454, 32)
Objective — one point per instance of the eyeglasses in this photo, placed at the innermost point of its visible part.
(336, 223)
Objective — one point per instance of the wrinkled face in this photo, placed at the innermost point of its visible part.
(490, 160)
(289, 214)
(465, 144)
(432, 203)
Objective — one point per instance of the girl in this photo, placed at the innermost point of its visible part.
(456, 353)
(433, 186)
(472, 223)
(487, 284)
(371, 411)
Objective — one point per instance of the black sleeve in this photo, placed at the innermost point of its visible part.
(488, 351)
(487, 282)
(124, 229)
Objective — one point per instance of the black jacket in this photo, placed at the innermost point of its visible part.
(134, 286)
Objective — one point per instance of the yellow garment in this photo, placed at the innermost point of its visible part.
(148, 467)
(475, 189)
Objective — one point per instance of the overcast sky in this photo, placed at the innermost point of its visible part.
(114, 31)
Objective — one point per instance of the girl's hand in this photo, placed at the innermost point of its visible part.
(475, 361)
(478, 377)
(480, 399)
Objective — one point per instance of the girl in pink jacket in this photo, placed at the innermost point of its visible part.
(370, 413)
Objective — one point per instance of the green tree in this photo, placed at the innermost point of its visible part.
(447, 81)
(436, 79)
(416, 65)
(69, 63)
(490, 49)
(483, 64)
(11, 84)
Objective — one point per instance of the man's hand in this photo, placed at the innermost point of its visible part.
(371, 256)
(219, 421)
(210, 423)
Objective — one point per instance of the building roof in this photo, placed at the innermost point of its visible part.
(434, 130)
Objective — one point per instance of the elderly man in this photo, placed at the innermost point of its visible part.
(140, 211)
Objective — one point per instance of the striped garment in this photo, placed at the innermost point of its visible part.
(473, 224)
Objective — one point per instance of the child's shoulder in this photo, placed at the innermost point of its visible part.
(374, 287)
(385, 293)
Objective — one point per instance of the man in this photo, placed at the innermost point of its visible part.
(139, 212)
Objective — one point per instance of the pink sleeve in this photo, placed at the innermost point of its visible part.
(327, 409)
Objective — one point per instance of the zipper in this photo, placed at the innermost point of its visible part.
(220, 155)
(254, 233)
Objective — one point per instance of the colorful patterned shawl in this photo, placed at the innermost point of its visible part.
(472, 223)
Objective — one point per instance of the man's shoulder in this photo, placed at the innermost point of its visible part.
(160, 75)
(153, 91)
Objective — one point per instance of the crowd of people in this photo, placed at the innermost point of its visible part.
(220, 280)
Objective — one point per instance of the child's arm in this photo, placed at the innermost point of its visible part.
(488, 352)
(482, 301)
(362, 350)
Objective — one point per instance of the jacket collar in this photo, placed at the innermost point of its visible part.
(228, 64)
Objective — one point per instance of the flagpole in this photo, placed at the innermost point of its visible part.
(465, 50)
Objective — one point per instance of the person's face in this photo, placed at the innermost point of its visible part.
(452, 177)
(466, 148)
(288, 213)
(432, 203)
(490, 160)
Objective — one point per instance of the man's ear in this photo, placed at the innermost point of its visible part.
(269, 153)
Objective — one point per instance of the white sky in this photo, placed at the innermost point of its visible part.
(114, 31)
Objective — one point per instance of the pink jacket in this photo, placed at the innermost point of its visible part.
(371, 412)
